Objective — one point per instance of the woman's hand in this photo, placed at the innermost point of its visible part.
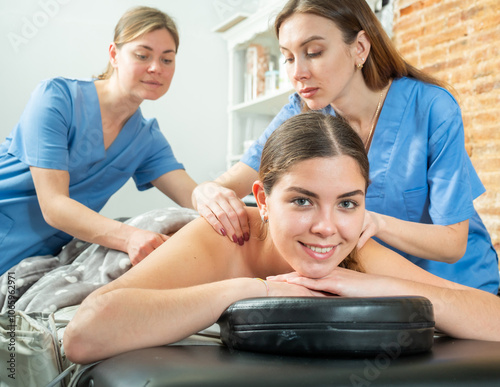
(341, 282)
(222, 208)
(371, 226)
(428, 241)
(290, 289)
(142, 243)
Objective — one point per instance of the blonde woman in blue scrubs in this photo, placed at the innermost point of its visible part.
(79, 141)
(420, 200)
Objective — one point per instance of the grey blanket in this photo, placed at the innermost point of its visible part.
(48, 283)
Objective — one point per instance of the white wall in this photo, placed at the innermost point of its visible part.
(45, 38)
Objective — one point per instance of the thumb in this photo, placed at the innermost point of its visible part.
(362, 240)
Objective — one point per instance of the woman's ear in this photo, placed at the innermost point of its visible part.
(260, 197)
(112, 55)
(362, 47)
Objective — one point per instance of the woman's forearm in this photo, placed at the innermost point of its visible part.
(125, 319)
(238, 178)
(178, 186)
(459, 311)
(462, 313)
(81, 222)
(428, 241)
(66, 214)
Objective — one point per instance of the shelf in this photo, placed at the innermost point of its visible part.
(257, 23)
(268, 104)
(231, 22)
(248, 119)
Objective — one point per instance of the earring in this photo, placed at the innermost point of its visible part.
(359, 66)
(264, 218)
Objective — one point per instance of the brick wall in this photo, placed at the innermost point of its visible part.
(458, 41)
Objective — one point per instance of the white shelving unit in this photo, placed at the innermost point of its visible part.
(248, 117)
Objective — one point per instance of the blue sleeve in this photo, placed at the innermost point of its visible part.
(161, 159)
(453, 182)
(41, 137)
(254, 153)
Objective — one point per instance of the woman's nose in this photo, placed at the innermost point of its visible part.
(300, 70)
(154, 66)
(324, 224)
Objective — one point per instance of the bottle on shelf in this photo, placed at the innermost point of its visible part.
(272, 79)
(257, 63)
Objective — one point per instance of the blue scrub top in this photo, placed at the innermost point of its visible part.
(61, 128)
(420, 172)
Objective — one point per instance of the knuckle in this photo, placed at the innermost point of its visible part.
(212, 219)
(241, 212)
(219, 196)
(233, 217)
(206, 213)
(222, 216)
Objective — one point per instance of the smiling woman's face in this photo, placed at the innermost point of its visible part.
(316, 212)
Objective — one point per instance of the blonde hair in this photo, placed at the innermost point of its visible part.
(137, 22)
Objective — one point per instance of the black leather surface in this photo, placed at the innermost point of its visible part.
(325, 326)
(450, 363)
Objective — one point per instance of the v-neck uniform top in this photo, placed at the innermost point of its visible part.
(61, 128)
(420, 172)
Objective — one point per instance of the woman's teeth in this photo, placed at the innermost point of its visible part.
(321, 250)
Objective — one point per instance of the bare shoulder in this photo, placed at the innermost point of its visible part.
(378, 259)
(372, 256)
(254, 218)
(197, 230)
(193, 255)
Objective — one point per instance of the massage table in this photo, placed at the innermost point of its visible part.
(203, 360)
(451, 362)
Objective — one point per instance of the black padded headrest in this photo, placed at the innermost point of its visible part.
(329, 326)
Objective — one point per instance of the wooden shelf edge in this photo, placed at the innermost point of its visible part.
(231, 22)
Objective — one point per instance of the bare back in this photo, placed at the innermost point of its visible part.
(196, 254)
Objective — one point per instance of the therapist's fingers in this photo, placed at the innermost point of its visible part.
(209, 213)
(206, 197)
(222, 208)
(368, 232)
(370, 228)
(142, 243)
(363, 239)
(225, 218)
(235, 219)
(240, 209)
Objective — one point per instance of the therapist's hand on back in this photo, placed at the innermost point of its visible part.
(142, 243)
(223, 209)
(371, 226)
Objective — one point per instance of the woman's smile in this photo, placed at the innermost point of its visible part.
(319, 252)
